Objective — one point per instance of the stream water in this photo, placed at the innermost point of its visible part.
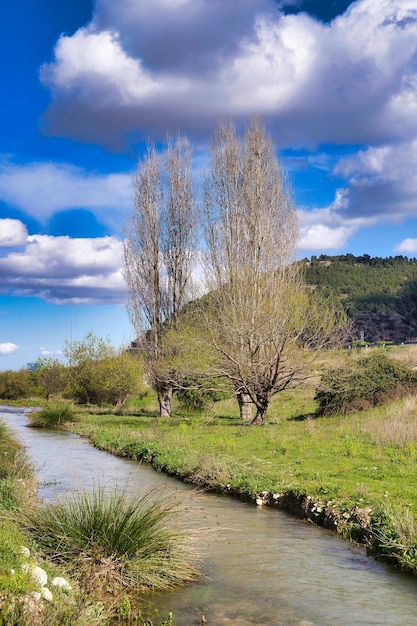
(260, 565)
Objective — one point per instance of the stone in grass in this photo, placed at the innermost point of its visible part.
(58, 581)
(46, 594)
(39, 575)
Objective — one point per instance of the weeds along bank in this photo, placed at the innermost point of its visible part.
(89, 560)
(354, 474)
(25, 597)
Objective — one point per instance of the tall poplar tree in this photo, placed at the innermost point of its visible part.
(159, 257)
(263, 322)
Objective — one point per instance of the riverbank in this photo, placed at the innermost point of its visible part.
(354, 475)
(26, 579)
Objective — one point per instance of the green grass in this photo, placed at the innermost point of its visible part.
(53, 415)
(123, 555)
(349, 463)
(113, 543)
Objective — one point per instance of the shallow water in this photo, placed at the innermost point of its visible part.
(260, 565)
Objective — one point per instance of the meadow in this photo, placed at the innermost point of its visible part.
(354, 473)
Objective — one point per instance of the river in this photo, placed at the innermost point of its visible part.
(260, 565)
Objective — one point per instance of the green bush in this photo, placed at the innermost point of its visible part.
(113, 543)
(53, 415)
(193, 396)
(15, 384)
(370, 382)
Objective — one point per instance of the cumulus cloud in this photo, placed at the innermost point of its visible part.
(12, 233)
(181, 63)
(382, 181)
(42, 189)
(407, 246)
(8, 348)
(64, 270)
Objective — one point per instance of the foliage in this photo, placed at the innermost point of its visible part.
(53, 415)
(368, 382)
(379, 294)
(194, 395)
(98, 373)
(113, 543)
(15, 384)
(51, 375)
(393, 537)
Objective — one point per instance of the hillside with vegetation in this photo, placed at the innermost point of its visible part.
(379, 294)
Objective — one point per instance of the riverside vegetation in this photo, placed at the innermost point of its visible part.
(111, 547)
(351, 471)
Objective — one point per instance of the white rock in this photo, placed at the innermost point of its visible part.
(46, 594)
(259, 501)
(36, 595)
(25, 551)
(39, 575)
(58, 581)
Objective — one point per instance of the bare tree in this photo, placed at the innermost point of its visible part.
(263, 321)
(159, 255)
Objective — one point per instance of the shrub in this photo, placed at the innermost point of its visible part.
(53, 415)
(112, 543)
(193, 396)
(15, 384)
(371, 381)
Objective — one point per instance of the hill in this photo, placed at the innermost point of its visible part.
(379, 294)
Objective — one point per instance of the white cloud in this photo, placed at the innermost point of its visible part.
(65, 270)
(407, 246)
(321, 237)
(97, 63)
(12, 233)
(141, 68)
(8, 348)
(46, 352)
(43, 189)
(382, 181)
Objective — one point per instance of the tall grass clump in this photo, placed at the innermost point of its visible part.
(393, 538)
(53, 415)
(369, 382)
(112, 543)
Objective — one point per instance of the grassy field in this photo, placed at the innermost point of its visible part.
(360, 467)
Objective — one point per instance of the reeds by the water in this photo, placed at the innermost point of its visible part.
(112, 542)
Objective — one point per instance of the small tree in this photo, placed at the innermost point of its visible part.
(98, 373)
(263, 322)
(15, 384)
(159, 256)
(51, 374)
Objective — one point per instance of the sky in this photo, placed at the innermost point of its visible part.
(87, 84)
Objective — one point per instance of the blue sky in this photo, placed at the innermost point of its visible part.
(86, 84)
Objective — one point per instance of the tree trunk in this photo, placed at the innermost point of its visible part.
(245, 407)
(261, 409)
(165, 401)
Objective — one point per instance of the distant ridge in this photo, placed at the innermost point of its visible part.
(379, 294)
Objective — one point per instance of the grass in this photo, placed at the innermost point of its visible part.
(89, 603)
(114, 544)
(354, 466)
(53, 415)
